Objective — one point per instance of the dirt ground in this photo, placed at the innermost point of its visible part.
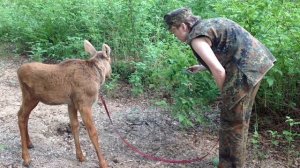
(149, 128)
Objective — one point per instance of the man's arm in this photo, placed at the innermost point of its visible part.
(203, 49)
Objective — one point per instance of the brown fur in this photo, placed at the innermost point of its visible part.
(73, 82)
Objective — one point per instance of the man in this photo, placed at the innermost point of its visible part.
(237, 61)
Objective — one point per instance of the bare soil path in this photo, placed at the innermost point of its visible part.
(149, 128)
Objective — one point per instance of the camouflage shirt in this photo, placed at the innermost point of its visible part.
(232, 43)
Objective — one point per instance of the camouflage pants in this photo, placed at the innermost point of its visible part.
(238, 98)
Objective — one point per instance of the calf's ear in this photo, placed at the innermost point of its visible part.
(106, 50)
(89, 48)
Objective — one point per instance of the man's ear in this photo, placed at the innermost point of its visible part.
(184, 27)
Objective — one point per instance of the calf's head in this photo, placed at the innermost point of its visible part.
(100, 58)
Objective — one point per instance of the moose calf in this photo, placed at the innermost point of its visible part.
(73, 82)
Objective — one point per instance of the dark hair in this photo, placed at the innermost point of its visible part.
(178, 16)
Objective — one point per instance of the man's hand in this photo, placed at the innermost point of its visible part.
(195, 68)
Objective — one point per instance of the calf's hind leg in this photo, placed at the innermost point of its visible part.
(75, 131)
(23, 116)
(86, 114)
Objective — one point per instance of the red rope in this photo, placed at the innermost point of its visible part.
(148, 156)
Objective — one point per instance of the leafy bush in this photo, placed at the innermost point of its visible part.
(150, 59)
(163, 72)
(276, 24)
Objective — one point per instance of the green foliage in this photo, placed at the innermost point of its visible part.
(49, 29)
(287, 137)
(256, 143)
(290, 136)
(215, 162)
(274, 137)
(276, 24)
(111, 86)
(136, 79)
(123, 68)
(256, 139)
(2, 147)
(163, 72)
(147, 57)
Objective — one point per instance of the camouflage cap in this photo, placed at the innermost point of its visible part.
(177, 17)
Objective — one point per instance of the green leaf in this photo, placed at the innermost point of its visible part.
(2, 147)
(215, 161)
(270, 81)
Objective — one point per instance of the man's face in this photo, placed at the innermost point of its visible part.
(181, 32)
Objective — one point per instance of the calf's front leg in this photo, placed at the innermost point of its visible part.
(86, 114)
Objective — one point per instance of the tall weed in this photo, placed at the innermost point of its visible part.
(145, 54)
(276, 24)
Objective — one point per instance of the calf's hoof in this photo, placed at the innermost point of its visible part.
(81, 158)
(26, 159)
(26, 163)
(103, 165)
(30, 146)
